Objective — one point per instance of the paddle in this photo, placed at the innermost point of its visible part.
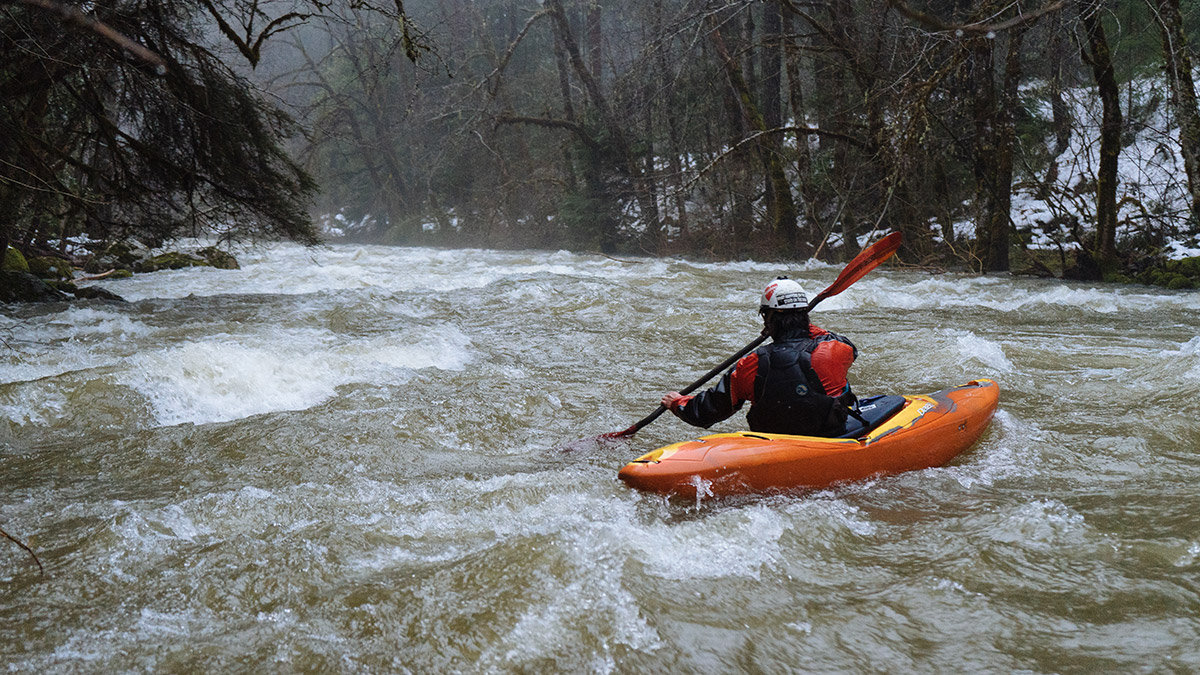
(864, 262)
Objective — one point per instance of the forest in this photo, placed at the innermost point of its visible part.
(1053, 137)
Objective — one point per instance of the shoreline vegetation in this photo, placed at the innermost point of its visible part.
(1040, 138)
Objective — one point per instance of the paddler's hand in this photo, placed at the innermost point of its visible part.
(672, 399)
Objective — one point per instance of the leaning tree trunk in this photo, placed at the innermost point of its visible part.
(564, 87)
(805, 188)
(675, 146)
(641, 183)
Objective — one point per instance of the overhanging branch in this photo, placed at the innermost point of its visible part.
(73, 15)
(934, 23)
(551, 123)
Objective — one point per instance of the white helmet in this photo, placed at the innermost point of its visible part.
(783, 293)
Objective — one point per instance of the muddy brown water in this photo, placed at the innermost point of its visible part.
(348, 460)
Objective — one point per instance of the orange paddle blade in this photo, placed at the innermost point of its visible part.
(864, 262)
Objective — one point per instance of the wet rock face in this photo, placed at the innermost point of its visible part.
(137, 258)
(173, 260)
(51, 268)
(24, 287)
(218, 258)
(18, 285)
(13, 260)
(1174, 274)
(45, 279)
(121, 255)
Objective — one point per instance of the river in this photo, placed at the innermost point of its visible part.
(351, 459)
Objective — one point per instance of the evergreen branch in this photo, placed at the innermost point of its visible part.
(73, 15)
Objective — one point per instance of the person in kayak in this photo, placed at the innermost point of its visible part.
(796, 384)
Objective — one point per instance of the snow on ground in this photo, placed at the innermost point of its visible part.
(1152, 192)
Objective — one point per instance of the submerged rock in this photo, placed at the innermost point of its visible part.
(97, 293)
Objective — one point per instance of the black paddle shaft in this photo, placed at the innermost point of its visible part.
(693, 386)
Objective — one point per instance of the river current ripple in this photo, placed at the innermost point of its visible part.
(349, 459)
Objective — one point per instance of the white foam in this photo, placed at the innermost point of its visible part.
(831, 512)
(38, 405)
(72, 340)
(1005, 295)
(216, 382)
(1013, 454)
(1184, 361)
(228, 378)
(727, 544)
(594, 600)
(1190, 556)
(971, 347)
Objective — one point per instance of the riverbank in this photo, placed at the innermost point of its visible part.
(56, 276)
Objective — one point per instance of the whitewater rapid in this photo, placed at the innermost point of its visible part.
(349, 459)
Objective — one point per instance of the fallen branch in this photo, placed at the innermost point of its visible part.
(95, 277)
(551, 123)
(28, 550)
(627, 262)
(812, 131)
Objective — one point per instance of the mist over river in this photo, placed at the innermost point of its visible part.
(349, 459)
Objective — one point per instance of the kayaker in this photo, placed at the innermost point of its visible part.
(796, 384)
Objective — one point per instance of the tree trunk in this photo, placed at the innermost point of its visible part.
(595, 39)
(674, 135)
(564, 85)
(739, 179)
(1098, 56)
(1057, 52)
(781, 208)
(1178, 65)
(771, 75)
(995, 136)
(805, 187)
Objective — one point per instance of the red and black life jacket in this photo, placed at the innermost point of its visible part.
(788, 395)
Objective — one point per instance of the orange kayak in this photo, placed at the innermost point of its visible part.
(924, 431)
